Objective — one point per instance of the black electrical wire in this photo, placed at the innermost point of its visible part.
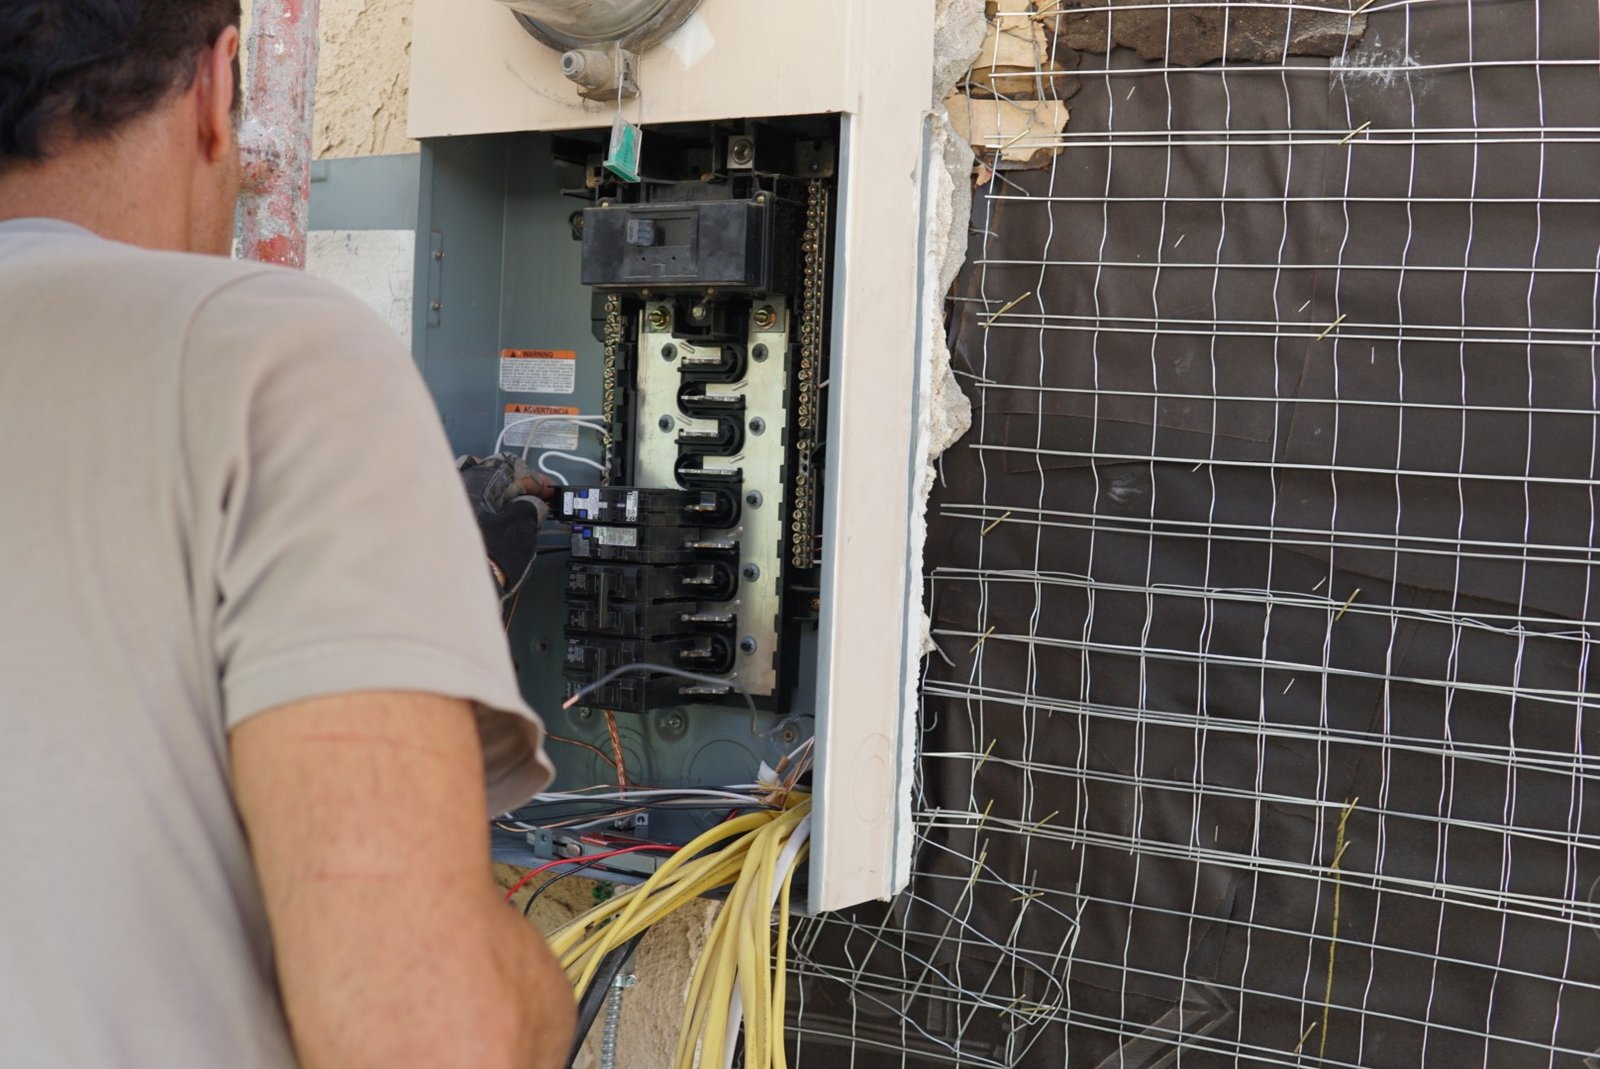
(595, 995)
(527, 907)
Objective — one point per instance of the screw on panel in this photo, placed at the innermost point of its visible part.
(789, 735)
(741, 152)
(759, 354)
(699, 312)
(585, 713)
(751, 572)
(669, 352)
(758, 426)
(674, 722)
(754, 499)
(660, 318)
(747, 644)
(765, 317)
(665, 423)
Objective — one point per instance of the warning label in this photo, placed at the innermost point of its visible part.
(538, 370)
(532, 425)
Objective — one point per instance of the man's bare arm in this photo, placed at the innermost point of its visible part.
(366, 822)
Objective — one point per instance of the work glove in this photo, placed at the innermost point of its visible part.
(511, 504)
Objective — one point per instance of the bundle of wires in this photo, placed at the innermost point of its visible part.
(740, 976)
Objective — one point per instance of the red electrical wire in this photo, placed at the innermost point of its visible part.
(585, 859)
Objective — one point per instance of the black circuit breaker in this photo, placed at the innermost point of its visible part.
(649, 569)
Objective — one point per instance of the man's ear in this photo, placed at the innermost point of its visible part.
(215, 86)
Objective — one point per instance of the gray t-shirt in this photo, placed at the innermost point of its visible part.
(224, 488)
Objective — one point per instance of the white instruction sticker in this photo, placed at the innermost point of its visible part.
(538, 370)
(531, 425)
(616, 536)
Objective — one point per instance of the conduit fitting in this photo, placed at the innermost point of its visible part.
(600, 74)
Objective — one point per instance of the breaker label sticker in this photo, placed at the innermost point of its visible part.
(531, 426)
(538, 370)
(616, 536)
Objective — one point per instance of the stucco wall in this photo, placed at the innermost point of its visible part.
(363, 74)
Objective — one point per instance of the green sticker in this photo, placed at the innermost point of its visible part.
(623, 158)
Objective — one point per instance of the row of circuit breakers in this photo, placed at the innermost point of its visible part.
(700, 550)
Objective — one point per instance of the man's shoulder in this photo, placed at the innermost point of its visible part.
(182, 282)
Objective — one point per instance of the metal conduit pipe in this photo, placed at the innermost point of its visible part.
(275, 136)
(575, 24)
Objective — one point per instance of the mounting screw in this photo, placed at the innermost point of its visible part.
(789, 735)
(436, 306)
(669, 351)
(741, 152)
(758, 426)
(585, 713)
(674, 722)
(751, 572)
(747, 644)
(660, 318)
(665, 423)
(438, 254)
(759, 354)
(699, 312)
(765, 317)
(754, 499)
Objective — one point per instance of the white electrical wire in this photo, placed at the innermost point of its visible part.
(628, 796)
(556, 453)
(787, 860)
(592, 422)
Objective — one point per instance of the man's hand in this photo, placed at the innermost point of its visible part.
(511, 504)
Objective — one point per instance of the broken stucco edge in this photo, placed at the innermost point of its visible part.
(943, 412)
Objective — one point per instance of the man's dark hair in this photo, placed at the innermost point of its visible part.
(82, 68)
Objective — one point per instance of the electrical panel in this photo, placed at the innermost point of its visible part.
(683, 270)
(665, 353)
(699, 549)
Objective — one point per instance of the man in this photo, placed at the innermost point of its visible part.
(251, 671)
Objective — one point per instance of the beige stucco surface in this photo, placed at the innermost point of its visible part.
(362, 78)
(364, 70)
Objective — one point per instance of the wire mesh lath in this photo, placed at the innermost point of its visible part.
(1260, 730)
